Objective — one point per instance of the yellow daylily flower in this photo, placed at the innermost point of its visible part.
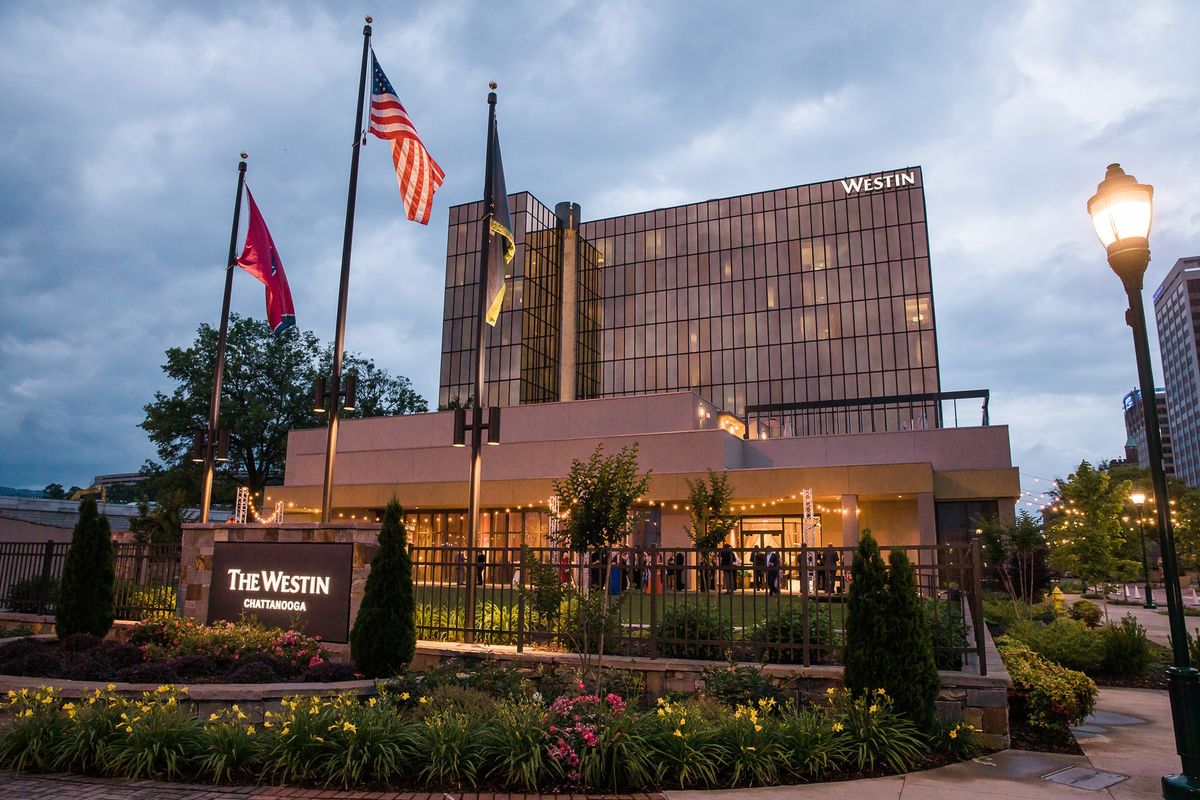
(838, 727)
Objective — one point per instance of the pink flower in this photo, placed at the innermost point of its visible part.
(314, 661)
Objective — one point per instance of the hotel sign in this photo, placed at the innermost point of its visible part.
(303, 586)
(875, 183)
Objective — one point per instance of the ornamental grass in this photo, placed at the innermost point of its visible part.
(578, 742)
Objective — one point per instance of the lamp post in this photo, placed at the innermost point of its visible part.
(1139, 500)
(1121, 211)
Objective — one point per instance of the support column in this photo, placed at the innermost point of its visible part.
(926, 518)
(849, 520)
(568, 213)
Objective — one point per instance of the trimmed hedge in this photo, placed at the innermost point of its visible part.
(1053, 697)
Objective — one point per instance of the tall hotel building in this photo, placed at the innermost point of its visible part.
(1177, 312)
(1135, 430)
(785, 337)
(766, 305)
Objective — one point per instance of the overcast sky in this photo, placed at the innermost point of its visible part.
(120, 125)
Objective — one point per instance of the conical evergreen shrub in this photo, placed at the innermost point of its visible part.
(912, 680)
(384, 637)
(868, 660)
(86, 594)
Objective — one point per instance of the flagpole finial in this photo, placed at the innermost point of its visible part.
(369, 20)
(244, 154)
(492, 85)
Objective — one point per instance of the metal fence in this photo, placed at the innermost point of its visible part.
(781, 606)
(147, 578)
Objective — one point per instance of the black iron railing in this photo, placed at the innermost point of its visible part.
(901, 412)
(147, 578)
(786, 606)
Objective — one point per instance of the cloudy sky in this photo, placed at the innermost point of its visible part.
(120, 124)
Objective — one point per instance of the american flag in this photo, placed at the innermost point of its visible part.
(418, 174)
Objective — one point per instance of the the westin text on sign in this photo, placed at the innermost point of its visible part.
(874, 183)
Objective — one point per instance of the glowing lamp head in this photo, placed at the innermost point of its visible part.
(1121, 212)
(1137, 498)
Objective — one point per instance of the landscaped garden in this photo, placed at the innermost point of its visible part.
(475, 726)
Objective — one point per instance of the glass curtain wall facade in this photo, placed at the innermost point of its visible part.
(523, 347)
(813, 293)
(1177, 313)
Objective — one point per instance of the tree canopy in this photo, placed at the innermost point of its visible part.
(266, 391)
(1085, 532)
(598, 495)
(708, 500)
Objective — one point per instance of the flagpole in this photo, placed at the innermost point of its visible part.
(481, 326)
(339, 339)
(214, 405)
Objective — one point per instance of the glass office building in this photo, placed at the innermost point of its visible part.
(1177, 312)
(804, 310)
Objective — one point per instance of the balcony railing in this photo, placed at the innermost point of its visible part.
(901, 412)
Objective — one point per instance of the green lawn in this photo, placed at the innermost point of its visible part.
(745, 608)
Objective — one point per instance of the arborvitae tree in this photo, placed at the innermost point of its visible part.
(86, 594)
(912, 681)
(384, 638)
(867, 654)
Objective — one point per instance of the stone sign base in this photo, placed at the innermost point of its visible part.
(195, 573)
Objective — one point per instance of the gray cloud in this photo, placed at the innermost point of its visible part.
(122, 122)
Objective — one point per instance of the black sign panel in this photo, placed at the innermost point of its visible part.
(303, 586)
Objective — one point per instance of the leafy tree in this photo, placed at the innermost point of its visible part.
(384, 637)
(867, 643)
(378, 393)
(599, 494)
(55, 491)
(266, 391)
(912, 679)
(1086, 534)
(87, 587)
(708, 499)
(1014, 550)
(162, 524)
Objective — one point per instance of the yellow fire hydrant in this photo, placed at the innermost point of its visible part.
(1056, 597)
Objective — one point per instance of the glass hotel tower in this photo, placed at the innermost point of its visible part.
(804, 310)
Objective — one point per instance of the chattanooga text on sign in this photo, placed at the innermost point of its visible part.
(302, 585)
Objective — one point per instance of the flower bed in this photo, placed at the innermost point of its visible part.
(173, 650)
(456, 737)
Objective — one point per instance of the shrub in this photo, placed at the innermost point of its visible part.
(189, 668)
(36, 663)
(956, 739)
(811, 747)
(33, 595)
(739, 684)
(912, 683)
(446, 750)
(79, 642)
(229, 747)
(101, 662)
(685, 625)
(687, 741)
(151, 672)
(545, 593)
(158, 741)
(868, 661)
(785, 626)
(874, 734)
(1086, 612)
(516, 748)
(384, 638)
(372, 745)
(1067, 642)
(252, 672)
(583, 617)
(85, 603)
(291, 652)
(949, 629)
(329, 672)
(1126, 648)
(1052, 697)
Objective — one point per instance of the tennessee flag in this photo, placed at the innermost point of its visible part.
(261, 259)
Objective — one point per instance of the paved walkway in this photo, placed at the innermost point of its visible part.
(1130, 734)
(1155, 621)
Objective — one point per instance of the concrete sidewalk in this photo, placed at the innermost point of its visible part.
(1155, 621)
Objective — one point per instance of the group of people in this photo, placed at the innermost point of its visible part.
(659, 571)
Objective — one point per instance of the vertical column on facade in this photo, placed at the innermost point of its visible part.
(568, 214)
(926, 518)
(1006, 513)
(849, 520)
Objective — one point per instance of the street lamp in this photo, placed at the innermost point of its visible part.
(1121, 212)
(1139, 500)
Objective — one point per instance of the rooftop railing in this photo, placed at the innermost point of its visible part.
(901, 412)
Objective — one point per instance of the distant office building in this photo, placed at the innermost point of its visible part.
(1136, 450)
(1177, 312)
